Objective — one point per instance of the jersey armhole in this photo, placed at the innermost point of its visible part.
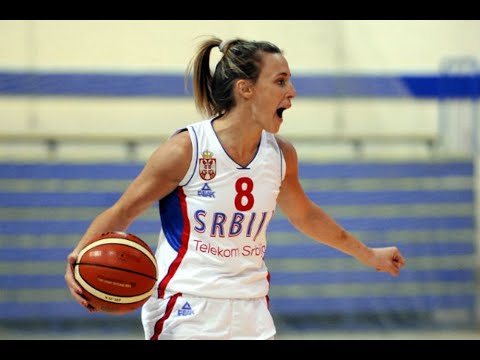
(283, 163)
(194, 161)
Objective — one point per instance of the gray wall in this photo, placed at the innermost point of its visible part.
(311, 46)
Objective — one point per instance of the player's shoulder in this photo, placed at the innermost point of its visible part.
(199, 123)
(284, 144)
(183, 134)
(194, 124)
(288, 150)
(182, 137)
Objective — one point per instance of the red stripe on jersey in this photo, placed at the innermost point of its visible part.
(267, 297)
(168, 312)
(183, 247)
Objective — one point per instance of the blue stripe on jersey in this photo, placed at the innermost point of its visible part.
(172, 219)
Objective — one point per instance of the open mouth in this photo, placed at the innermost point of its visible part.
(280, 112)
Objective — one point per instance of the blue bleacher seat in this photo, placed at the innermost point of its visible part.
(424, 208)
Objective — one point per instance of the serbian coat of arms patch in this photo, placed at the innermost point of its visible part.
(207, 166)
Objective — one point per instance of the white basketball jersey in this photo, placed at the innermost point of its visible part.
(212, 242)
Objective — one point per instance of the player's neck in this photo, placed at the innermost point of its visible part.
(240, 141)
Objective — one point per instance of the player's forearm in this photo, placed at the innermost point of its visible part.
(320, 226)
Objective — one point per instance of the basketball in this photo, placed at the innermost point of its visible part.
(117, 272)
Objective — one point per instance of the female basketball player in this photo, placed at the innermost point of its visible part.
(218, 182)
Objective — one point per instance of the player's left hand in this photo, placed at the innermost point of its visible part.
(387, 259)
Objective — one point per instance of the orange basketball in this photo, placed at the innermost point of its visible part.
(117, 272)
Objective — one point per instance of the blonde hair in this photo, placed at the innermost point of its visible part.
(241, 59)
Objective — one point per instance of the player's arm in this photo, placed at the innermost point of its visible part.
(314, 222)
(160, 176)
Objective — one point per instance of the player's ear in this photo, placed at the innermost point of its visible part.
(244, 88)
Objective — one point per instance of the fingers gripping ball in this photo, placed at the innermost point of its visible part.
(117, 272)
